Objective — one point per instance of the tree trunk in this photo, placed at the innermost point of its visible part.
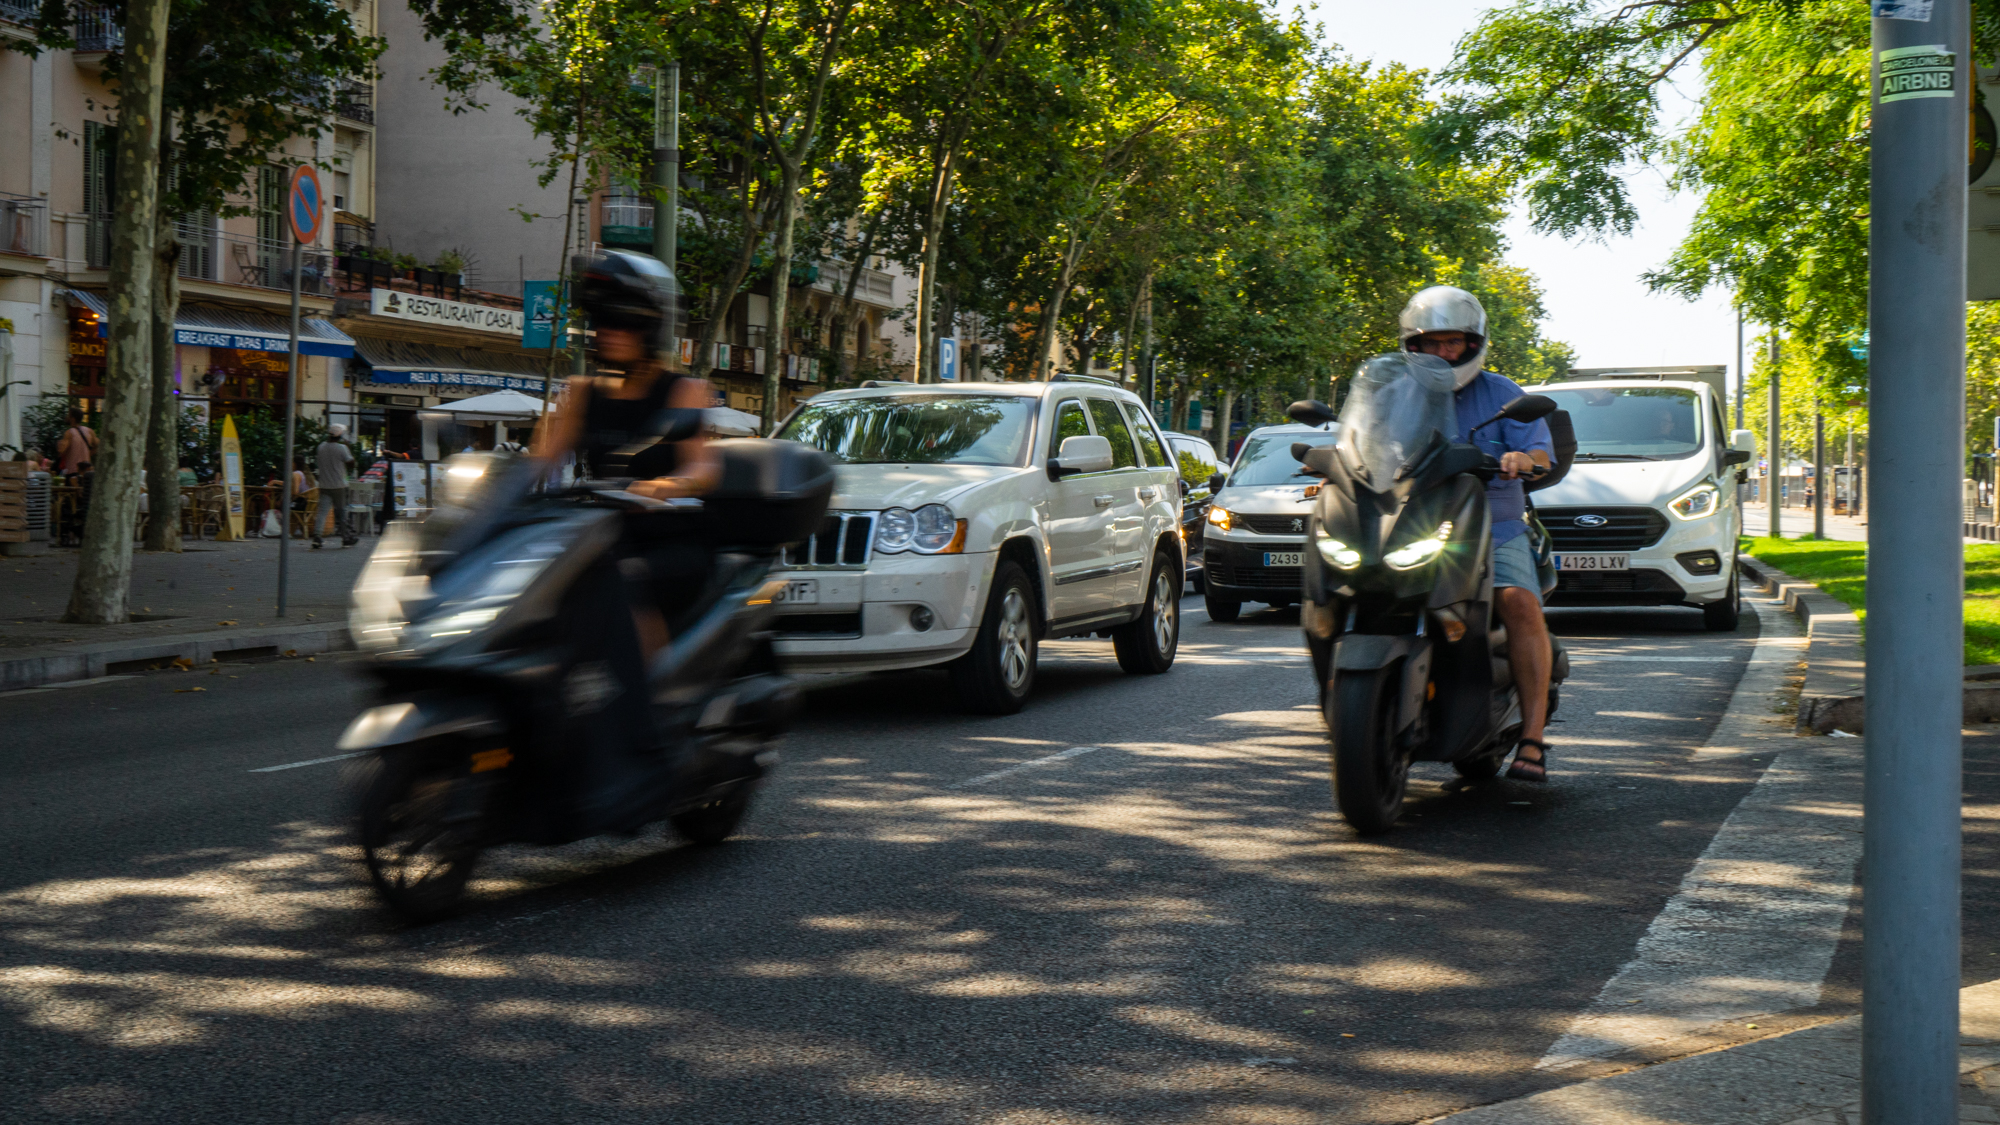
(844, 320)
(163, 478)
(1128, 361)
(940, 199)
(103, 588)
(781, 293)
(970, 354)
(1183, 394)
(1228, 404)
(1045, 329)
(947, 322)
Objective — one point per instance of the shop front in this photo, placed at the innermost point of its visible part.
(395, 379)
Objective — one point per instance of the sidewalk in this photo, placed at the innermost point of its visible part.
(212, 598)
(1795, 522)
(1809, 1077)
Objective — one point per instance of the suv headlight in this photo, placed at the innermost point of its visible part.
(1338, 555)
(930, 530)
(1412, 555)
(1701, 500)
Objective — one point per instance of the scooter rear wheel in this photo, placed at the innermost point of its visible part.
(419, 859)
(714, 822)
(1370, 774)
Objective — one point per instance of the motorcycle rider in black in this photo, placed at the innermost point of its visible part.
(631, 300)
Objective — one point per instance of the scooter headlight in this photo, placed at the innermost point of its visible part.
(1338, 555)
(1412, 555)
(1701, 500)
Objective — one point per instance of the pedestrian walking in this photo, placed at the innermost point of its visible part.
(332, 459)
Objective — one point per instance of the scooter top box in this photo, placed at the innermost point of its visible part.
(771, 492)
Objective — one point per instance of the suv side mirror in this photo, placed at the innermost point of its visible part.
(1310, 412)
(1083, 453)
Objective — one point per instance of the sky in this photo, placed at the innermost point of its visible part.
(1596, 300)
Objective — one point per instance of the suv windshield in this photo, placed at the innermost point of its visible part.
(917, 429)
(1636, 423)
(1267, 458)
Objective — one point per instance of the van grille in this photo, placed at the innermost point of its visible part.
(1256, 577)
(843, 539)
(1272, 525)
(1623, 529)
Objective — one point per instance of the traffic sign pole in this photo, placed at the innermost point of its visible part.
(1915, 651)
(302, 209)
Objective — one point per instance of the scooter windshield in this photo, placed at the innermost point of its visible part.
(1400, 405)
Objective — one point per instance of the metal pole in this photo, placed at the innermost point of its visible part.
(1774, 442)
(1819, 474)
(291, 429)
(1743, 371)
(1916, 620)
(1853, 505)
(667, 164)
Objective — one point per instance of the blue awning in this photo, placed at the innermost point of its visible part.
(212, 326)
(402, 362)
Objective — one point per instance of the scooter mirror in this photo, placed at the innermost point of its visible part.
(1310, 412)
(1528, 408)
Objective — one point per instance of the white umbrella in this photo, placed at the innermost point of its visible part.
(496, 407)
(731, 422)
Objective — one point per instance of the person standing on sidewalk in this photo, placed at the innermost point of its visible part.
(77, 446)
(332, 459)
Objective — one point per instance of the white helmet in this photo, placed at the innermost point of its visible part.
(1444, 308)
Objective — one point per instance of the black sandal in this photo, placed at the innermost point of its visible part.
(1530, 769)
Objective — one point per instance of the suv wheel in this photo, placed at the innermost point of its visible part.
(994, 678)
(1147, 645)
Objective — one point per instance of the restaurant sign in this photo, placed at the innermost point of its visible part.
(480, 379)
(447, 314)
(257, 342)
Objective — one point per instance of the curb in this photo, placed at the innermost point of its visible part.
(84, 660)
(1835, 671)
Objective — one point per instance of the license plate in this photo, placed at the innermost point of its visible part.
(800, 591)
(1282, 558)
(1592, 562)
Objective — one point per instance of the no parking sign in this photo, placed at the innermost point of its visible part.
(302, 203)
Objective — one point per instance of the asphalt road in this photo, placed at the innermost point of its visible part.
(1171, 925)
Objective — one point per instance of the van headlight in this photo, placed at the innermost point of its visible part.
(1701, 500)
(1219, 516)
(930, 530)
(1412, 555)
(1338, 555)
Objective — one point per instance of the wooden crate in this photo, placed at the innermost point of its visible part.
(13, 501)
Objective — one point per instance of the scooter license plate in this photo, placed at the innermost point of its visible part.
(1592, 562)
(1282, 558)
(800, 591)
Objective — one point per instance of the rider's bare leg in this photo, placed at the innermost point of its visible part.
(1530, 656)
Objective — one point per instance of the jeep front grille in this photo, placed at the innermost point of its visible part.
(844, 539)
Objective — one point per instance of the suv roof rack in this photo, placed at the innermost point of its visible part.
(887, 383)
(1073, 378)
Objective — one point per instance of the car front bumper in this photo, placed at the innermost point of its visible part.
(862, 621)
(1234, 567)
(1660, 574)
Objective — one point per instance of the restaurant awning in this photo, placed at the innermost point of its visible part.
(213, 326)
(395, 362)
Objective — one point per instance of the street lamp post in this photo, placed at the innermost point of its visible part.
(1819, 473)
(1774, 442)
(1915, 652)
(667, 164)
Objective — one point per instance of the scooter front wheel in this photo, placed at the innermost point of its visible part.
(1369, 774)
(415, 835)
(714, 822)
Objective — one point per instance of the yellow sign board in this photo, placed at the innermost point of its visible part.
(232, 482)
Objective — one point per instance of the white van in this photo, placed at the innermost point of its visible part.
(1648, 514)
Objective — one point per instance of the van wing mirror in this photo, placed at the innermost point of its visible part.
(1083, 453)
(1310, 412)
(1745, 440)
(1735, 457)
(1217, 480)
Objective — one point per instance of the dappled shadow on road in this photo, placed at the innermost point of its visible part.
(1163, 928)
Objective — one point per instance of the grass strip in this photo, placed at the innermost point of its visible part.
(1841, 569)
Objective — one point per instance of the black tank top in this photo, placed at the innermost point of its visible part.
(610, 424)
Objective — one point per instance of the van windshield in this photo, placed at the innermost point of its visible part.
(917, 429)
(1632, 423)
(1268, 459)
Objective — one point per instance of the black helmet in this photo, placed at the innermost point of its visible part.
(619, 289)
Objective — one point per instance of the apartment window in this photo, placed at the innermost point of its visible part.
(100, 157)
(270, 204)
(343, 188)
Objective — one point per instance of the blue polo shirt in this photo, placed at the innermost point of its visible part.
(1477, 401)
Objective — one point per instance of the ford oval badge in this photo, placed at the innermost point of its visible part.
(1590, 520)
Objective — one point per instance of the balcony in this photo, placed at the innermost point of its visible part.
(21, 224)
(872, 286)
(231, 259)
(628, 220)
(355, 101)
(20, 11)
(98, 30)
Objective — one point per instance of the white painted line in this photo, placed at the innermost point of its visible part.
(1576, 659)
(310, 762)
(62, 685)
(983, 778)
(1755, 923)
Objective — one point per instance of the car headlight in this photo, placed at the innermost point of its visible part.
(930, 530)
(1701, 500)
(1412, 555)
(1219, 516)
(1337, 554)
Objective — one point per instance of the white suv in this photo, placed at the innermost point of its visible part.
(970, 522)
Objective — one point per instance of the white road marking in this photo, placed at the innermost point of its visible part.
(1576, 659)
(983, 778)
(309, 762)
(1755, 923)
